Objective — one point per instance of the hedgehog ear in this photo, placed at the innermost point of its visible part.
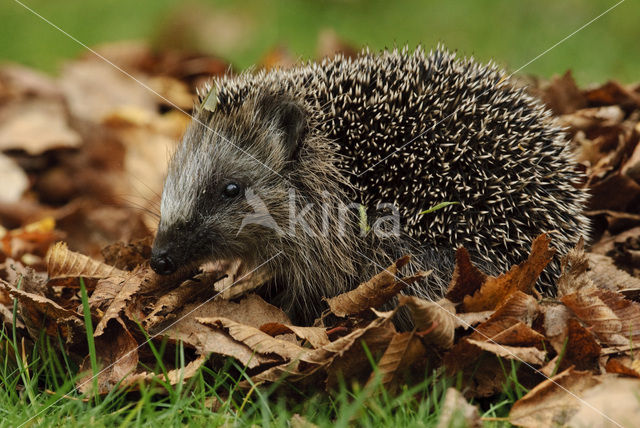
(294, 124)
(290, 119)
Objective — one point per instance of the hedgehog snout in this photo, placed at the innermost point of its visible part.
(162, 263)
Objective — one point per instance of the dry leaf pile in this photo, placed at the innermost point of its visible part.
(72, 148)
(485, 327)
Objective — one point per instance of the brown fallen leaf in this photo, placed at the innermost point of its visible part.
(298, 421)
(562, 94)
(456, 411)
(574, 267)
(316, 336)
(471, 319)
(555, 324)
(613, 93)
(14, 179)
(127, 287)
(252, 311)
(403, 351)
(342, 358)
(255, 339)
(508, 327)
(117, 355)
(326, 354)
(582, 350)
(622, 367)
(63, 263)
(198, 288)
(614, 402)
(466, 279)
(436, 317)
(597, 117)
(127, 256)
(375, 292)
(615, 193)
(521, 277)
(93, 89)
(606, 275)
(520, 306)
(40, 313)
(553, 401)
(527, 354)
(36, 125)
(173, 377)
(614, 319)
(354, 364)
(208, 341)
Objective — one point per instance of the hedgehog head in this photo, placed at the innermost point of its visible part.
(226, 183)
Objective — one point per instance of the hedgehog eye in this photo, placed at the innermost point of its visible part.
(231, 190)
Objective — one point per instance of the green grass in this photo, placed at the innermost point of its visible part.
(37, 389)
(512, 33)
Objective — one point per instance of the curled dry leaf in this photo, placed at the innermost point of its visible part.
(375, 292)
(507, 327)
(127, 287)
(582, 350)
(316, 336)
(521, 277)
(471, 319)
(597, 117)
(255, 339)
(240, 283)
(354, 365)
(63, 263)
(466, 279)
(438, 318)
(562, 94)
(341, 352)
(574, 271)
(327, 353)
(403, 351)
(516, 342)
(553, 401)
(197, 288)
(519, 307)
(528, 354)
(252, 311)
(456, 411)
(614, 319)
(173, 377)
(623, 366)
(614, 93)
(41, 313)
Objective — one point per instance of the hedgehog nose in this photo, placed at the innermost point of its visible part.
(162, 264)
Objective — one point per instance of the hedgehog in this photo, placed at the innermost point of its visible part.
(318, 176)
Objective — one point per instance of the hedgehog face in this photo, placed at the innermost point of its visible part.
(228, 172)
